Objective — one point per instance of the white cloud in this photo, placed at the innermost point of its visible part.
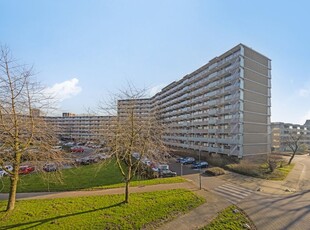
(152, 91)
(64, 90)
(304, 92)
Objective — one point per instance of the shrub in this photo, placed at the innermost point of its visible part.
(245, 168)
(274, 161)
(216, 171)
(221, 160)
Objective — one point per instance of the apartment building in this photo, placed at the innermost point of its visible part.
(141, 106)
(281, 132)
(222, 107)
(79, 127)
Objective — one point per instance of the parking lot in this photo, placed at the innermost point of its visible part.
(182, 169)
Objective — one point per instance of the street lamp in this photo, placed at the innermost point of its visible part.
(181, 169)
(199, 168)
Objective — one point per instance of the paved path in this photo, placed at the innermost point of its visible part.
(283, 212)
(201, 215)
(232, 193)
(278, 205)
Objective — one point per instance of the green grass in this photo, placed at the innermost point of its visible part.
(168, 180)
(228, 219)
(261, 171)
(280, 173)
(96, 176)
(145, 210)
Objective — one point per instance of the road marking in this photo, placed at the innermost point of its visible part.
(232, 193)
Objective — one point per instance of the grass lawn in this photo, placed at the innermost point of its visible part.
(279, 173)
(145, 210)
(95, 176)
(228, 219)
(261, 171)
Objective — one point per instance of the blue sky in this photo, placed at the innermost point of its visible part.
(88, 49)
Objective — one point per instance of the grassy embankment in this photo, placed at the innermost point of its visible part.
(261, 170)
(230, 218)
(145, 210)
(95, 176)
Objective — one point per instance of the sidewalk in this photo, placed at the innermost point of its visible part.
(288, 186)
(199, 216)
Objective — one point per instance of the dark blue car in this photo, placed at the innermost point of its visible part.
(200, 165)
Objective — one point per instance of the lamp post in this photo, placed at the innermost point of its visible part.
(199, 169)
(181, 169)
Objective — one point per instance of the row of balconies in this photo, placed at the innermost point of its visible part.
(203, 139)
(190, 85)
(217, 79)
(186, 125)
(203, 88)
(194, 130)
(208, 103)
(214, 68)
(221, 150)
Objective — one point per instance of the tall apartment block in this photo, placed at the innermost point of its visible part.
(142, 107)
(222, 107)
(281, 132)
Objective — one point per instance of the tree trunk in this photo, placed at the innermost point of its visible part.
(127, 191)
(289, 162)
(12, 194)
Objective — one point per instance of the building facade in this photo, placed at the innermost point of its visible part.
(79, 127)
(141, 107)
(222, 107)
(281, 133)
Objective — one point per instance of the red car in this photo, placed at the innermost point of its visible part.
(77, 149)
(25, 169)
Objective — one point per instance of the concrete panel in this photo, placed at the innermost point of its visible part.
(253, 107)
(252, 117)
(248, 74)
(255, 56)
(254, 149)
(255, 66)
(254, 128)
(255, 138)
(250, 96)
(255, 87)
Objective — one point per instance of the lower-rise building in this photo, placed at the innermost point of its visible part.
(79, 127)
(282, 132)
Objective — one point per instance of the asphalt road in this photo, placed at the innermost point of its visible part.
(180, 169)
(285, 212)
(288, 211)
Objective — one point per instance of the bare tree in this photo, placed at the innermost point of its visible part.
(135, 134)
(24, 135)
(293, 142)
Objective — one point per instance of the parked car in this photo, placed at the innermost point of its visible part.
(200, 165)
(86, 160)
(188, 160)
(77, 149)
(57, 147)
(163, 167)
(50, 167)
(167, 173)
(179, 159)
(26, 169)
(3, 172)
